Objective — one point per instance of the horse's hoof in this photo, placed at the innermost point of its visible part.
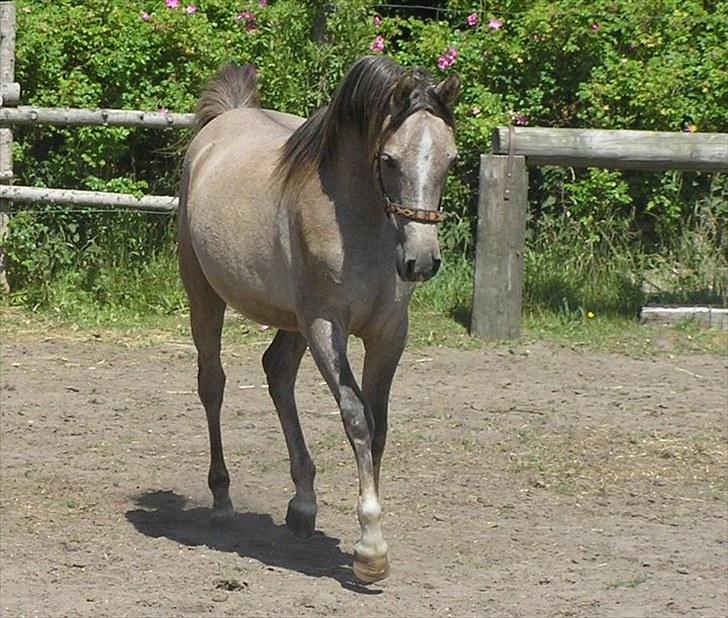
(222, 511)
(301, 518)
(370, 569)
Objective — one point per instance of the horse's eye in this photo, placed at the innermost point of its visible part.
(389, 160)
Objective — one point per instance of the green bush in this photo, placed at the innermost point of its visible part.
(625, 64)
(114, 58)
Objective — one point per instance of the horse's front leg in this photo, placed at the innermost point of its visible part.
(327, 342)
(383, 352)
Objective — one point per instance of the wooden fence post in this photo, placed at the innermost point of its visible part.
(9, 93)
(502, 205)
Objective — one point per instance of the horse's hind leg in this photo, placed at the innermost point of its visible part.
(281, 361)
(207, 311)
(206, 332)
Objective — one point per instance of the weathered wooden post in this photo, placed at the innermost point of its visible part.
(9, 95)
(502, 205)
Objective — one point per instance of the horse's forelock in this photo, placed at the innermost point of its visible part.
(423, 96)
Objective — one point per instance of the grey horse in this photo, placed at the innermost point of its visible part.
(319, 228)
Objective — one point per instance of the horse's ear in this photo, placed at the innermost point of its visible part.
(449, 89)
(403, 89)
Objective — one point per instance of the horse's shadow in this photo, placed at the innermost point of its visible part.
(251, 535)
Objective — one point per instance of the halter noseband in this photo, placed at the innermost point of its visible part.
(420, 215)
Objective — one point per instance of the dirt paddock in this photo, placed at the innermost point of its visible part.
(541, 481)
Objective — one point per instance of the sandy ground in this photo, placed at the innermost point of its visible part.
(540, 481)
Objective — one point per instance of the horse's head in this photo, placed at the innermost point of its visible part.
(411, 164)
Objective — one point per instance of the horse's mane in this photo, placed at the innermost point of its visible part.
(362, 102)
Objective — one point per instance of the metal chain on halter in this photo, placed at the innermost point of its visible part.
(420, 215)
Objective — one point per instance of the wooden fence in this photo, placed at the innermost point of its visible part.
(503, 198)
(13, 114)
(9, 95)
(497, 297)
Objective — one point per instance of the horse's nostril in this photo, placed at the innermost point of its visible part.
(435, 265)
(409, 267)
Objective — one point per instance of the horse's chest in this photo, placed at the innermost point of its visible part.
(355, 258)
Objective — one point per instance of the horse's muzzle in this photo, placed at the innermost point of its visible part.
(420, 270)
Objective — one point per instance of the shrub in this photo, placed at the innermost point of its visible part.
(621, 64)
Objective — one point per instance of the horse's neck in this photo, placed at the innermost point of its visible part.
(350, 176)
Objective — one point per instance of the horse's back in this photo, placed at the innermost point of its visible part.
(246, 130)
(237, 228)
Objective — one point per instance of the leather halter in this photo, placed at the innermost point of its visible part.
(420, 215)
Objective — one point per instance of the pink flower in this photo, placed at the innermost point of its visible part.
(475, 111)
(262, 3)
(473, 20)
(520, 120)
(447, 59)
(191, 9)
(495, 23)
(595, 26)
(377, 44)
(172, 4)
(163, 110)
(377, 21)
(145, 16)
(249, 18)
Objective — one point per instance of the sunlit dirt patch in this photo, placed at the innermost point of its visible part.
(605, 459)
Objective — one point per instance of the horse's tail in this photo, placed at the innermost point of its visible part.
(234, 86)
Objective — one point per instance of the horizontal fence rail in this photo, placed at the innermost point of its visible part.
(76, 197)
(68, 117)
(632, 150)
